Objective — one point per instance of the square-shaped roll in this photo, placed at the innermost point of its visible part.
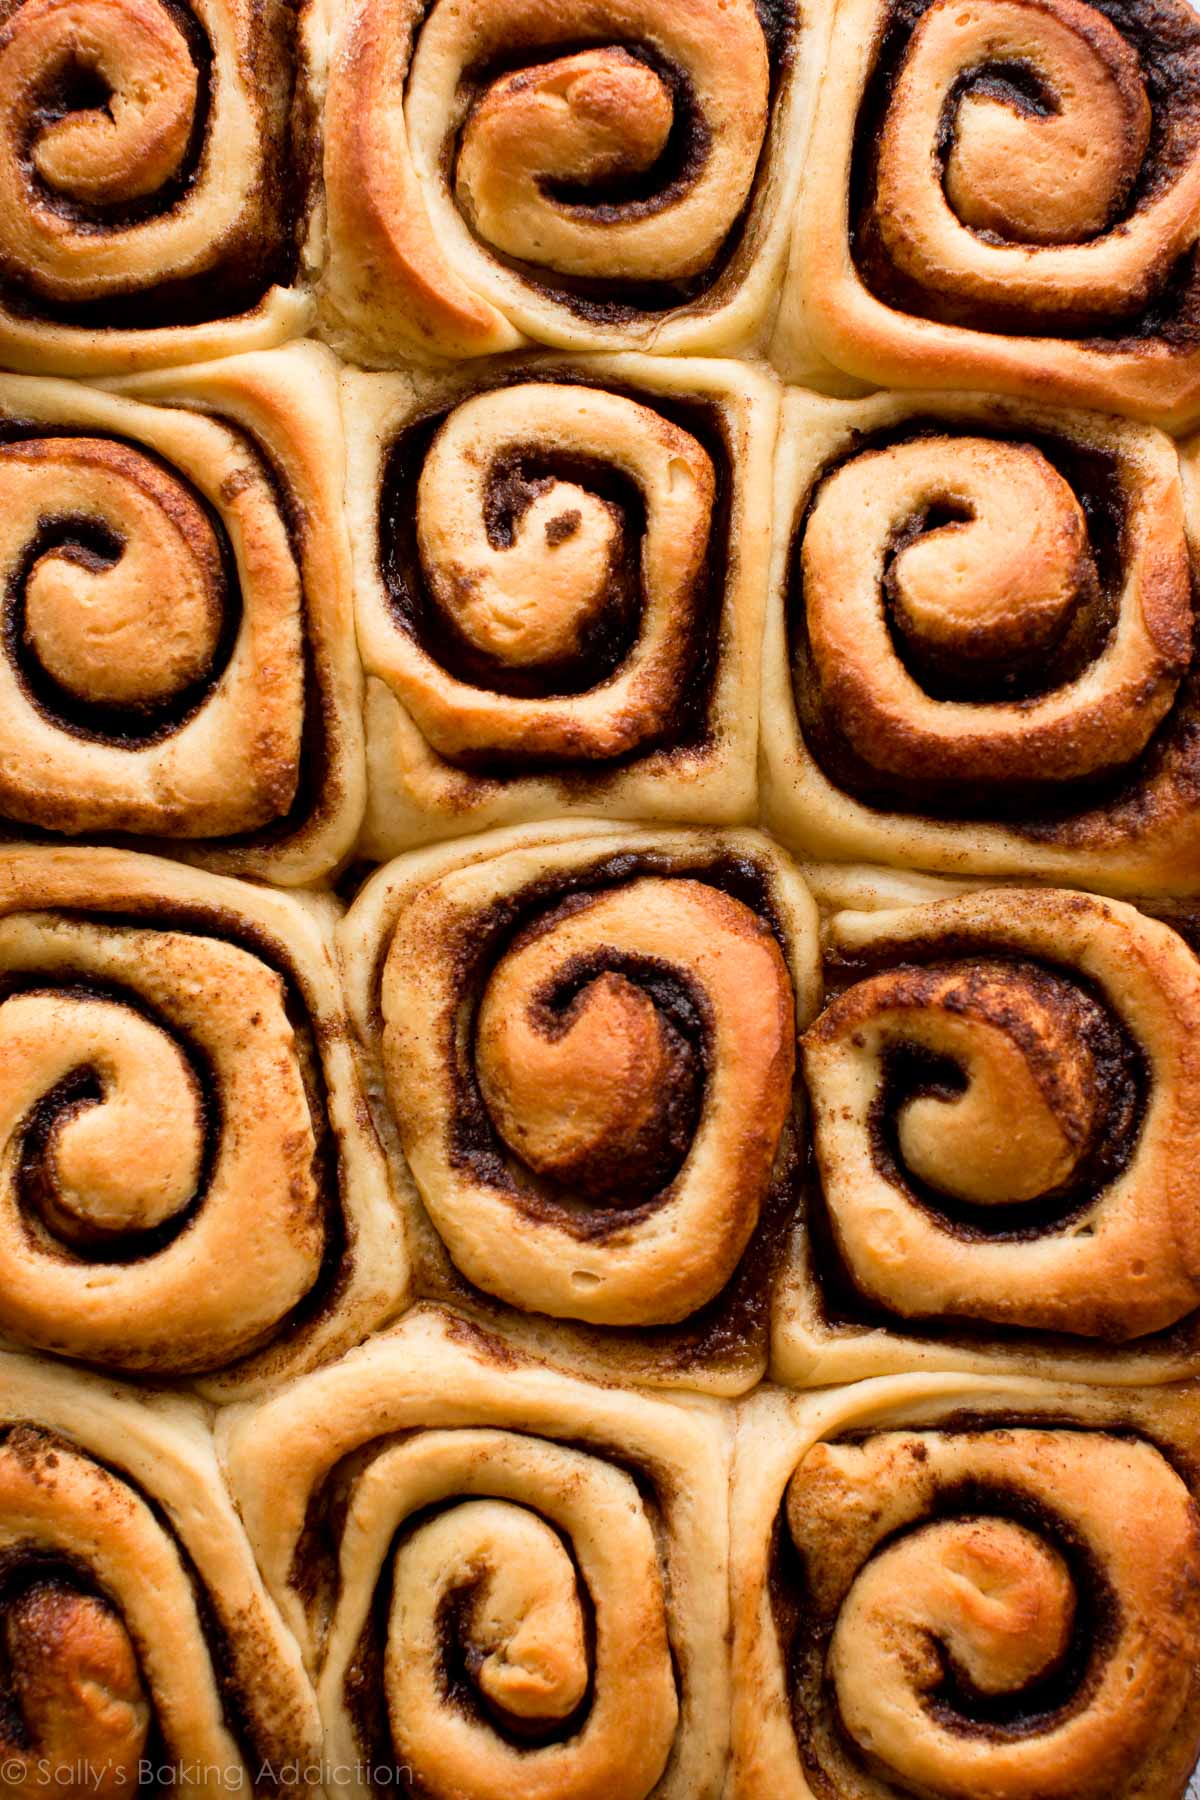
(981, 651)
(1002, 1092)
(178, 662)
(560, 573)
(507, 1580)
(191, 1185)
(152, 182)
(581, 1045)
(588, 174)
(1005, 195)
(953, 1586)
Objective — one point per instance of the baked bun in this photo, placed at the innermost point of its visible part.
(190, 1183)
(560, 570)
(592, 174)
(178, 664)
(954, 1589)
(1001, 1092)
(980, 652)
(508, 1580)
(149, 187)
(583, 1042)
(1006, 195)
(139, 1641)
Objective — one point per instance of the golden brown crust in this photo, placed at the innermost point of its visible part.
(550, 1556)
(75, 1680)
(146, 188)
(980, 651)
(179, 659)
(190, 1184)
(937, 1591)
(137, 1631)
(936, 241)
(998, 1084)
(559, 573)
(585, 1036)
(604, 174)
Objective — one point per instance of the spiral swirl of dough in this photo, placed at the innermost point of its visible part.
(1007, 96)
(986, 1618)
(486, 1603)
(598, 119)
(494, 1567)
(62, 165)
(160, 1204)
(959, 638)
(562, 535)
(600, 151)
(1004, 197)
(1004, 1112)
(154, 678)
(592, 1112)
(982, 654)
(135, 202)
(135, 1632)
(188, 1181)
(994, 224)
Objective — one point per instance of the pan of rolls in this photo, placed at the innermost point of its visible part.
(600, 899)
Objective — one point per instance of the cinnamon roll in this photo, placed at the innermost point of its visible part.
(1002, 1099)
(583, 1043)
(1006, 194)
(560, 571)
(150, 182)
(190, 1183)
(593, 174)
(141, 1652)
(952, 1587)
(981, 646)
(178, 661)
(508, 1581)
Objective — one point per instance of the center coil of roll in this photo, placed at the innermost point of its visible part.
(1001, 1102)
(629, 159)
(982, 1613)
(553, 602)
(978, 622)
(976, 111)
(602, 1080)
(507, 1610)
